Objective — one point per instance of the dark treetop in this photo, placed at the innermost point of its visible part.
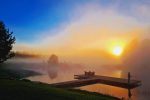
(6, 43)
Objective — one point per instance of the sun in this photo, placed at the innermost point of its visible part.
(117, 50)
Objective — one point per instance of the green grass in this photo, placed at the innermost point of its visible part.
(22, 90)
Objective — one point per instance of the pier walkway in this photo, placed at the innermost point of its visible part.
(90, 78)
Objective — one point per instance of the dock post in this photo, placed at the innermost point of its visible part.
(129, 77)
(129, 90)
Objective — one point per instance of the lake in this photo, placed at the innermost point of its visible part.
(65, 72)
(137, 94)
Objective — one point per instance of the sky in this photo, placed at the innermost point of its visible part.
(74, 26)
(88, 31)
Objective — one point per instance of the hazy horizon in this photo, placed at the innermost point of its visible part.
(110, 37)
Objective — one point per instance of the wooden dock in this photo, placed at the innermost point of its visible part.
(88, 79)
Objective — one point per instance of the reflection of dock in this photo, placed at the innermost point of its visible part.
(90, 78)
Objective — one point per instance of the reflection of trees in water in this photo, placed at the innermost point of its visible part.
(52, 67)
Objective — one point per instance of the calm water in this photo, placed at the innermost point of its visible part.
(66, 73)
(137, 94)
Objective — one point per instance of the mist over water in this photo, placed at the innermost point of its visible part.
(138, 63)
(136, 60)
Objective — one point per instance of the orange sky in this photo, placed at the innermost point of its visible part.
(95, 29)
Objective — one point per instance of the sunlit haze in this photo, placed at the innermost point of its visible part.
(117, 51)
(62, 38)
(88, 25)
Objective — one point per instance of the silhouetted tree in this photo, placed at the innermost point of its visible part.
(53, 60)
(53, 65)
(6, 43)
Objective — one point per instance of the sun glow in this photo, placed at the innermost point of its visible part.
(117, 50)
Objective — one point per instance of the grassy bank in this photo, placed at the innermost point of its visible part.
(22, 90)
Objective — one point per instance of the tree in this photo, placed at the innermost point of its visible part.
(6, 43)
(53, 60)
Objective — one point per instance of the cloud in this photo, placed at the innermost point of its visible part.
(91, 27)
(140, 11)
